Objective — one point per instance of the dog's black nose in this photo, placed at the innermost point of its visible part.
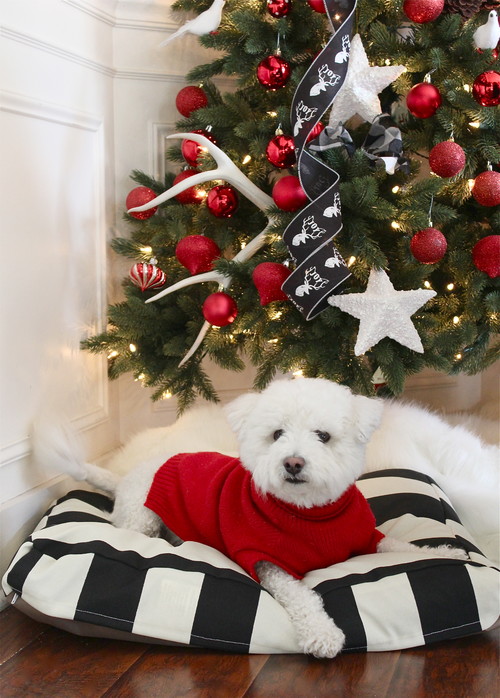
(294, 465)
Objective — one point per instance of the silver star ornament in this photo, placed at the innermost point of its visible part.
(362, 85)
(383, 312)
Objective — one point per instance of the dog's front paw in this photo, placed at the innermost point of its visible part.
(323, 640)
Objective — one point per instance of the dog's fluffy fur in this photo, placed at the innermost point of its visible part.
(321, 424)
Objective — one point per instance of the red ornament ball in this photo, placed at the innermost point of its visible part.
(268, 278)
(220, 309)
(486, 89)
(280, 151)
(147, 276)
(192, 151)
(315, 131)
(447, 159)
(486, 255)
(317, 5)
(422, 11)
(486, 188)
(423, 100)
(279, 8)
(222, 201)
(428, 245)
(288, 194)
(138, 197)
(191, 195)
(189, 99)
(197, 253)
(273, 72)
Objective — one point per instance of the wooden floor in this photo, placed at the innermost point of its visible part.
(37, 660)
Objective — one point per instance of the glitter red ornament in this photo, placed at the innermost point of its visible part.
(423, 100)
(288, 194)
(192, 151)
(197, 253)
(422, 11)
(317, 5)
(486, 255)
(191, 195)
(486, 89)
(138, 197)
(147, 276)
(279, 8)
(280, 151)
(273, 72)
(268, 278)
(220, 309)
(428, 245)
(189, 99)
(222, 201)
(486, 188)
(447, 159)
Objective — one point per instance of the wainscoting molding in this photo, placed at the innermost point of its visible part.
(57, 114)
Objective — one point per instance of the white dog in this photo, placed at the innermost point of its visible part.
(302, 446)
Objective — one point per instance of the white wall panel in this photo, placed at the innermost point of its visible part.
(57, 208)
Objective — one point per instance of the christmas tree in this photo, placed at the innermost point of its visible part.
(350, 220)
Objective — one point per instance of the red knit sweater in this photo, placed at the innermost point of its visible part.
(210, 498)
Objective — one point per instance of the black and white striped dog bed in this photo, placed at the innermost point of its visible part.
(77, 571)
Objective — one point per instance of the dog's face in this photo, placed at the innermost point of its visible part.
(304, 440)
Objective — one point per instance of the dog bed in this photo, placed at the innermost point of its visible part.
(79, 572)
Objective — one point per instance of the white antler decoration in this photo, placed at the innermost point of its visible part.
(229, 172)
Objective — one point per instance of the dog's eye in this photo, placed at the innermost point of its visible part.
(277, 434)
(323, 436)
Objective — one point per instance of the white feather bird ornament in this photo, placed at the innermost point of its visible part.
(488, 34)
(205, 23)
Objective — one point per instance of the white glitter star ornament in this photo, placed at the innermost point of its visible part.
(384, 312)
(363, 83)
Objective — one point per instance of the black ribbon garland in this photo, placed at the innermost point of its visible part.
(320, 269)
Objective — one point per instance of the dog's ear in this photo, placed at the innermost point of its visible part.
(237, 410)
(367, 416)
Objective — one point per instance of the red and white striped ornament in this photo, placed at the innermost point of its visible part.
(147, 275)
